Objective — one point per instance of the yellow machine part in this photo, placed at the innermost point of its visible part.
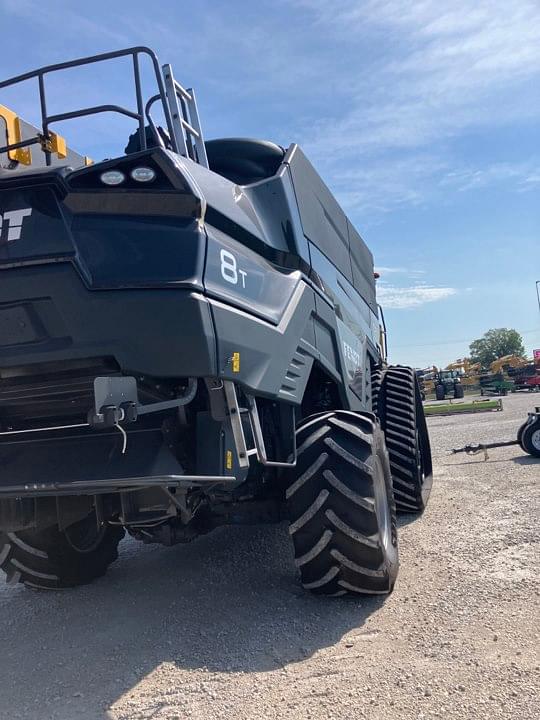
(54, 143)
(14, 135)
(58, 145)
(507, 361)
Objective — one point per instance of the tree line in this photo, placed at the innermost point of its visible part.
(494, 344)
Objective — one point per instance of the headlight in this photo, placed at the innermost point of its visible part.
(143, 174)
(112, 177)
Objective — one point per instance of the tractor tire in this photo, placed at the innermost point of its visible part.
(458, 392)
(440, 392)
(51, 559)
(520, 435)
(399, 408)
(341, 508)
(530, 438)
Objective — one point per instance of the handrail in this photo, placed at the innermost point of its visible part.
(139, 114)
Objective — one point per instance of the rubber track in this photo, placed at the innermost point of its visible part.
(398, 407)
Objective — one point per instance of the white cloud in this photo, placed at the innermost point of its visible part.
(375, 90)
(442, 70)
(385, 270)
(409, 272)
(521, 176)
(403, 298)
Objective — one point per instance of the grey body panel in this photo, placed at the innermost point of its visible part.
(157, 333)
(324, 222)
(260, 287)
(340, 327)
(328, 228)
(271, 278)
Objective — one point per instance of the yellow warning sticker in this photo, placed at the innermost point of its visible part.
(236, 362)
(228, 459)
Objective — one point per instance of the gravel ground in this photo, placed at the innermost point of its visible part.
(220, 628)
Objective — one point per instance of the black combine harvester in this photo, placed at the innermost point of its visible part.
(189, 338)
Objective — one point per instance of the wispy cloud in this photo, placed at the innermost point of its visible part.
(403, 298)
(379, 92)
(386, 270)
(521, 176)
(442, 71)
(73, 20)
(407, 272)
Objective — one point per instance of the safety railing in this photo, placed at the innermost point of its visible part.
(178, 105)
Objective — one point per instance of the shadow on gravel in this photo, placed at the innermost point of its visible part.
(519, 459)
(229, 602)
(404, 519)
(526, 460)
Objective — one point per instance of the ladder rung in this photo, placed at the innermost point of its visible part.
(188, 137)
(189, 128)
(182, 91)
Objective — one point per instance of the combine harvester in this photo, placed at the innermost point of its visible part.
(189, 338)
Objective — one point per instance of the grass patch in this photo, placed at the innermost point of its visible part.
(463, 407)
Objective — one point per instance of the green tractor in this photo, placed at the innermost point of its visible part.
(448, 383)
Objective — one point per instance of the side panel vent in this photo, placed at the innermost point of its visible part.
(297, 373)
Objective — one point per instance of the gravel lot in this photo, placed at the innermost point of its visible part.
(220, 628)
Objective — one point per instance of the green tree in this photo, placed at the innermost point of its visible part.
(496, 343)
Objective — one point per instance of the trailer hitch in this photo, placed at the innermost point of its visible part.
(533, 417)
(482, 447)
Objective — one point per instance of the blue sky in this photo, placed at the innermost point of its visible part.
(423, 117)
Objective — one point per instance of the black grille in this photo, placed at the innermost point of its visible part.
(50, 390)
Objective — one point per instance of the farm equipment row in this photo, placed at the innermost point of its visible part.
(507, 374)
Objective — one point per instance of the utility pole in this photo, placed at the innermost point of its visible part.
(538, 292)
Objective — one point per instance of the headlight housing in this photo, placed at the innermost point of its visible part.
(143, 174)
(112, 177)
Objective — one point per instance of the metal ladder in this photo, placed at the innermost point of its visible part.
(185, 119)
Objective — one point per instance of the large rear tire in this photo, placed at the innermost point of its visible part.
(440, 392)
(341, 508)
(51, 559)
(400, 410)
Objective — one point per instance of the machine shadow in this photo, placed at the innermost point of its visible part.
(526, 460)
(404, 519)
(229, 602)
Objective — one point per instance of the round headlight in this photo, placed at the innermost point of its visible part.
(143, 174)
(112, 177)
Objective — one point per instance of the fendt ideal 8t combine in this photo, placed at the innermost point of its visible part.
(189, 338)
